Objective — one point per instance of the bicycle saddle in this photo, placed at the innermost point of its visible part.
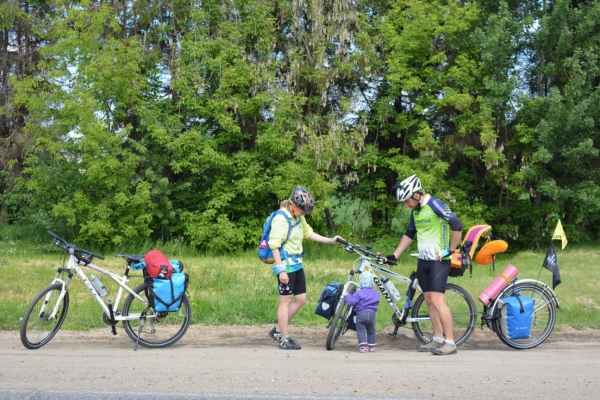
(131, 257)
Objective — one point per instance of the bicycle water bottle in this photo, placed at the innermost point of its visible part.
(389, 286)
(98, 286)
(498, 284)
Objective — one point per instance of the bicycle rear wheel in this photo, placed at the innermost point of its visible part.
(339, 323)
(544, 316)
(464, 315)
(37, 328)
(161, 329)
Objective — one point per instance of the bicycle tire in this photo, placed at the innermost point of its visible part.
(464, 315)
(339, 323)
(544, 316)
(36, 328)
(161, 331)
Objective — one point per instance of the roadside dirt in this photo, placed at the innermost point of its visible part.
(241, 359)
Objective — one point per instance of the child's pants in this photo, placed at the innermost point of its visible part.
(365, 328)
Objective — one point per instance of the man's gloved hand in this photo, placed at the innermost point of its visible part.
(391, 258)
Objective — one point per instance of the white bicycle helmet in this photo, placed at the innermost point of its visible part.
(406, 188)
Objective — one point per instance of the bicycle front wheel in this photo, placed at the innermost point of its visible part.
(160, 329)
(543, 318)
(462, 307)
(38, 327)
(339, 323)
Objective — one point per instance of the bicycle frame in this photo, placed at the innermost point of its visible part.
(401, 314)
(72, 265)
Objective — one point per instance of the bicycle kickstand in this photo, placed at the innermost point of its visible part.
(112, 318)
(395, 333)
(142, 323)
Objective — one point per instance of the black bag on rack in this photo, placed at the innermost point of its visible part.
(328, 300)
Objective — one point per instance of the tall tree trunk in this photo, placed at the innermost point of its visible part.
(329, 220)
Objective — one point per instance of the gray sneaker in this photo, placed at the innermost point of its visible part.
(425, 348)
(288, 344)
(445, 350)
(274, 334)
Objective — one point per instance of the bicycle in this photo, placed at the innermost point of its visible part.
(543, 315)
(459, 301)
(46, 313)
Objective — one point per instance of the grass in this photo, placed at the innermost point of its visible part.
(240, 290)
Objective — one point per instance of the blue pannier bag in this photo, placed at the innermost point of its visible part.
(177, 265)
(328, 300)
(264, 251)
(166, 294)
(516, 316)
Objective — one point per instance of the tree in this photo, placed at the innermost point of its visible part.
(132, 121)
(19, 44)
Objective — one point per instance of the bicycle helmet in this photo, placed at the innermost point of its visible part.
(365, 279)
(303, 200)
(406, 188)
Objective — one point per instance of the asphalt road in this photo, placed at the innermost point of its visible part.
(243, 363)
(18, 394)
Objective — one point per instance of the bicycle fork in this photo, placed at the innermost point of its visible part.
(61, 296)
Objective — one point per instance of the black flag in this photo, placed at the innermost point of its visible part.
(551, 264)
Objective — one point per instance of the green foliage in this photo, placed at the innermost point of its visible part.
(188, 122)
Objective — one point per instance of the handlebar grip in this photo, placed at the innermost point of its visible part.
(342, 241)
(390, 262)
(97, 255)
(67, 245)
(55, 236)
(86, 254)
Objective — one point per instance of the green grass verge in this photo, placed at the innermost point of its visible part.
(240, 290)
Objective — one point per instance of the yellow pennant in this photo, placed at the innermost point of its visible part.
(559, 234)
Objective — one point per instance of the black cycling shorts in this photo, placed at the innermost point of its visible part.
(296, 284)
(433, 275)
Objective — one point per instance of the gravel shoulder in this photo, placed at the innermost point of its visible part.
(242, 359)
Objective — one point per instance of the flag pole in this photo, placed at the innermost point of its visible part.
(550, 259)
(542, 267)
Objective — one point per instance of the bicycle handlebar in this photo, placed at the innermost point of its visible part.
(351, 248)
(82, 255)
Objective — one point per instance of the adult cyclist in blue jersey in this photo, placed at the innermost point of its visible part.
(438, 231)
